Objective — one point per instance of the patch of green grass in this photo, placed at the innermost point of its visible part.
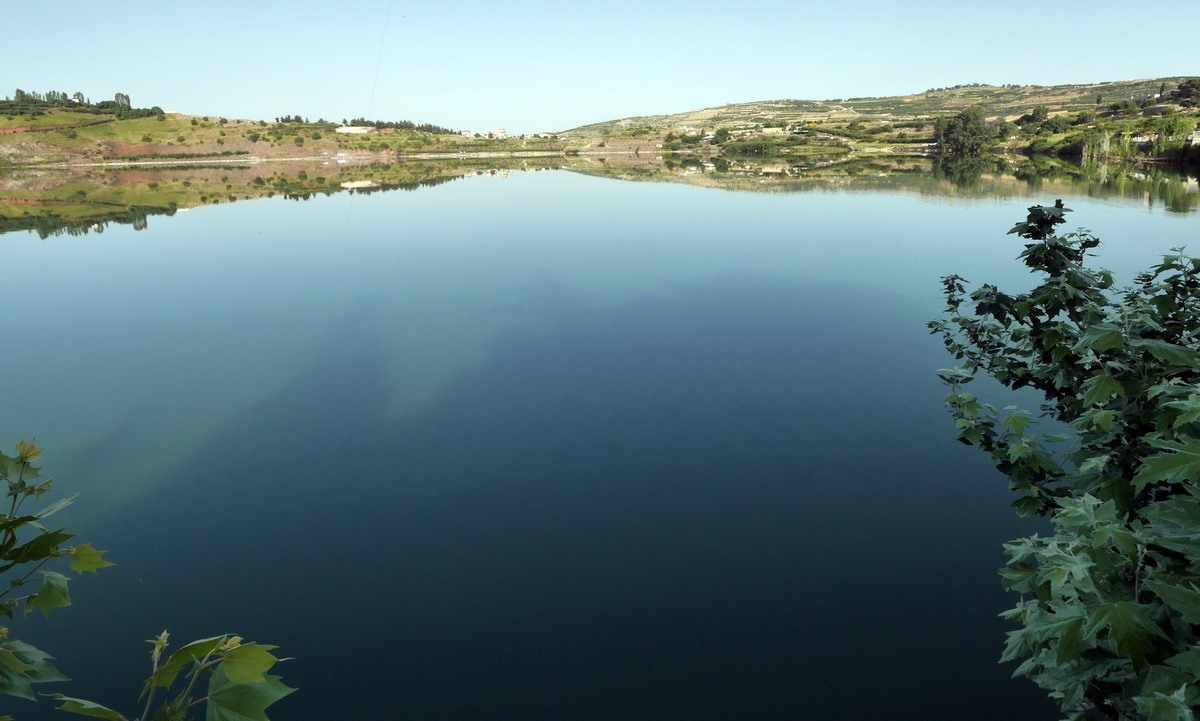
(60, 117)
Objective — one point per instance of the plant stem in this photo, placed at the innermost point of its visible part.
(201, 667)
(12, 510)
(22, 580)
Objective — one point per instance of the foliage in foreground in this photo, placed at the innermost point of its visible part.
(237, 686)
(1110, 607)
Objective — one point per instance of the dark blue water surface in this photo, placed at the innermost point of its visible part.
(551, 447)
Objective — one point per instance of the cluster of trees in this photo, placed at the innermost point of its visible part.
(960, 87)
(969, 133)
(685, 138)
(1040, 122)
(752, 147)
(966, 133)
(399, 125)
(377, 124)
(1188, 93)
(35, 103)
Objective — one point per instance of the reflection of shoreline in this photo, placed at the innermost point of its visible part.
(79, 199)
(358, 158)
(84, 200)
(1173, 187)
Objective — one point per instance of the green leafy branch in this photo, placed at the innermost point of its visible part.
(1110, 612)
(26, 547)
(238, 687)
(226, 675)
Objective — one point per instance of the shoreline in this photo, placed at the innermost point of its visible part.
(349, 159)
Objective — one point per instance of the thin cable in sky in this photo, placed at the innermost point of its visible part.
(379, 60)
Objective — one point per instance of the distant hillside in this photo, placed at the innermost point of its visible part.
(1006, 102)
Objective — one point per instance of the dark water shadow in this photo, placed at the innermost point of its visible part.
(739, 500)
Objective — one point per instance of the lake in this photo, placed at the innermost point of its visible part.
(538, 445)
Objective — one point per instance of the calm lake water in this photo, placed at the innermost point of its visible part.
(546, 447)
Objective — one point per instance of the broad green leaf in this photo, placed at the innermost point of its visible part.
(1095, 464)
(1117, 536)
(15, 684)
(1017, 451)
(1071, 642)
(86, 708)
(53, 594)
(1101, 337)
(9, 467)
(1028, 506)
(1098, 389)
(27, 451)
(1019, 577)
(41, 671)
(1017, 423)
(84, 558)
(1189, 410)
(43, 545)
(247, 663)
(13, 663)
(1175, 524)
(1018, 644)
(1168, 352)
(1162, 707)
(1129, 626)
(1180, 462)
(229, 701)
(1188, 661)
(191, 653)
(1184, 600)
(1104, 420)
(1163, 679)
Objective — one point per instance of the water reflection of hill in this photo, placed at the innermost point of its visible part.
(75, 202)
(1175, 189)
(79, 201)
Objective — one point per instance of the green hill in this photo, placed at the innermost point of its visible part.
(1007, 102)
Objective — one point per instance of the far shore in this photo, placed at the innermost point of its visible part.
(356, 159)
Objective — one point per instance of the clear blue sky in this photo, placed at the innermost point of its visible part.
(535, 66)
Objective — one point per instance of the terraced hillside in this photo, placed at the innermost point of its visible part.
(1006, 102)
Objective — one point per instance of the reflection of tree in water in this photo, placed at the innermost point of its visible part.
(410, 186)
(673, 163)
(1165, 184)
(1171, 186)
(1172, 192)
(1037, 168)
(382, 187)
(965, 171)
(52, 225)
